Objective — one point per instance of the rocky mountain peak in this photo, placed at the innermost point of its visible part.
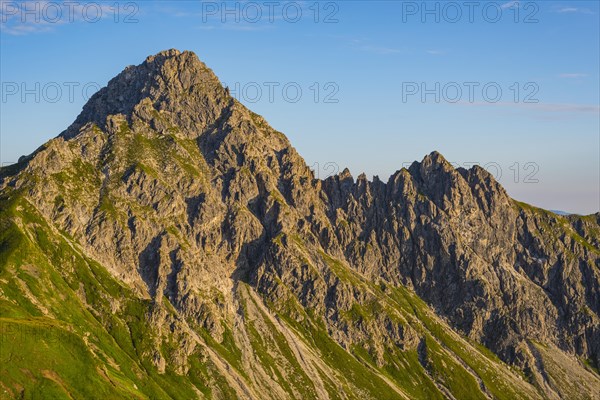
(171, 85)
(432, 163)
(169, 54)
(175, 221)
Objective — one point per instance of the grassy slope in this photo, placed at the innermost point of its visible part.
(56, 345)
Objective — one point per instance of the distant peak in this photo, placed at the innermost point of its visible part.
(436, 158)
(345, 174)
(433, 161)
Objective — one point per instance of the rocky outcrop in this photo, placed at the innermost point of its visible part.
(198, 205)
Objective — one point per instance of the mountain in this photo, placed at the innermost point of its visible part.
(171, 244)
(563, 213)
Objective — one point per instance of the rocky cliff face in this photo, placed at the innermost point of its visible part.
(187, 250)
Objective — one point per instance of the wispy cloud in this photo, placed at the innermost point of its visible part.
(185, 14)
(379, 49)
(19, 18)
(237, 13)
(367, 46)
(434, 52)
(573, 10)
(14, 19)
(21, 29)
(236, 27)
(562, 108)
(541, 107)
(511, 4)
(572, 76)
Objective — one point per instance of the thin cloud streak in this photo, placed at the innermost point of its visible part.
(542, 107)
(379, 50)
(437, 52)
(29, 17)
(574, 10)
(572, 75)
(510, 4)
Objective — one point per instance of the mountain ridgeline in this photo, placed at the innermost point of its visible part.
(171, 244)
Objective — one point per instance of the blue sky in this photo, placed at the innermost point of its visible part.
(362, 68)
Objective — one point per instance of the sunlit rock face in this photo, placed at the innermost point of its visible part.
(199, 247)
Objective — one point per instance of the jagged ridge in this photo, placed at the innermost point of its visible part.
(240, 274)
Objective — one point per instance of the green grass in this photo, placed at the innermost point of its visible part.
(45, 356)
(487, 368)
(552, 226)
(275, 355)
(81, 347)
